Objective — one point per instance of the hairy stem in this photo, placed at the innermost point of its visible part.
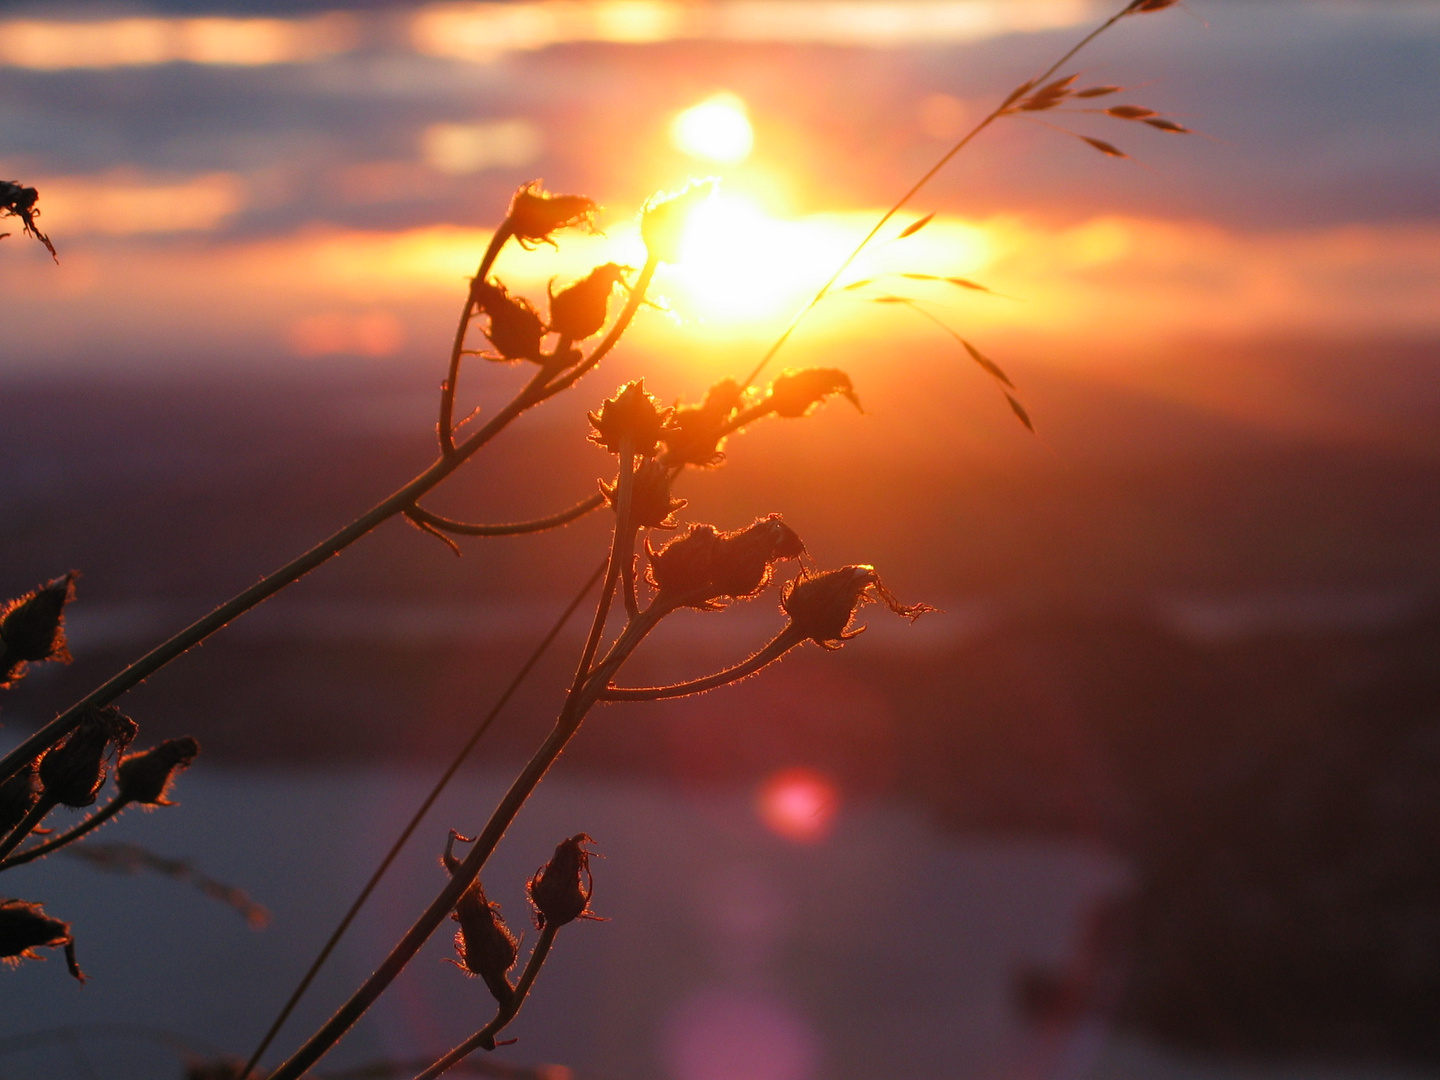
(36, 814)
(484, 1039)
(415, 820)
(782, 643)
(465, 528)
(572, 714)
(94, 821)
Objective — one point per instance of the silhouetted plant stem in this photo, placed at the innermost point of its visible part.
(782, 643)
(43, 805)
(572, 714)
(915, 189)
(465, 528)
(446, 428)
(94, 821)
(484, 1039)
(541, 387)
(417, 817)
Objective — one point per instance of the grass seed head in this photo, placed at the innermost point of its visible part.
(145, 777)
(561, 889)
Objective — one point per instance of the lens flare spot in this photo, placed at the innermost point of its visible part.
(718, 129)
(799, 804)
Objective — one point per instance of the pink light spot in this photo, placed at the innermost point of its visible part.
(724, 1035)
(798, 804)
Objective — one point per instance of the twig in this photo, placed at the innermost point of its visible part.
(782, 643)
(94, 821)
(415, 819)
(464, 528)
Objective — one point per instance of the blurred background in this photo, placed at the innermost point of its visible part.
(1157, 793)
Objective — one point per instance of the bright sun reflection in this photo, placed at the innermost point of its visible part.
(798, 804)
(718, 129)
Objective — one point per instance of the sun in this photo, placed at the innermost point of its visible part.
(718, 129)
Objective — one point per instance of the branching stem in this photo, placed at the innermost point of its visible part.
(782, 643)
(517, 528)
(94, 821)
(33, 817)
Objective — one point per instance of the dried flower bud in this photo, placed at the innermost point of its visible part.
(633, 413)
(17, 200)
(662, 222)
(17, 796)
(145, 777)
(702, 565)
(796, 391)
(560, 890)
(32, 627)
(696, 434)
(580, 311)
(535, 214)
(651, 506)
(822, 606)
(484, 943)
(24, 927)
(515, 328)
(72, 772)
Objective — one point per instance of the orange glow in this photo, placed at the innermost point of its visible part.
(718, 129)
(798, 804)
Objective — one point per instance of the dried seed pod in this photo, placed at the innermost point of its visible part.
(702, 565)
(633, 413)
(536, 215)
(17, 796)
(24, 927)
(662, 222)
(484, 943)
(696, 433)
(651, 506)
(145, 777)
(560, 890)
(32, 627)
(796, 391)
(72, 772)
(17, 200)
(580, 310)
(822, 606)
(515, 328)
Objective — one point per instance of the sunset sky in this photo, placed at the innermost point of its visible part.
(238, 184)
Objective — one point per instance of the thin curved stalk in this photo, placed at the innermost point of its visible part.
(915, 189)
(484, 1039)
(446, 427)
(536, 391)
(32, 818)
(572, 715)
(94, 821)
(517, 528)
(416, 818)
(782, 643)
(622, 547)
